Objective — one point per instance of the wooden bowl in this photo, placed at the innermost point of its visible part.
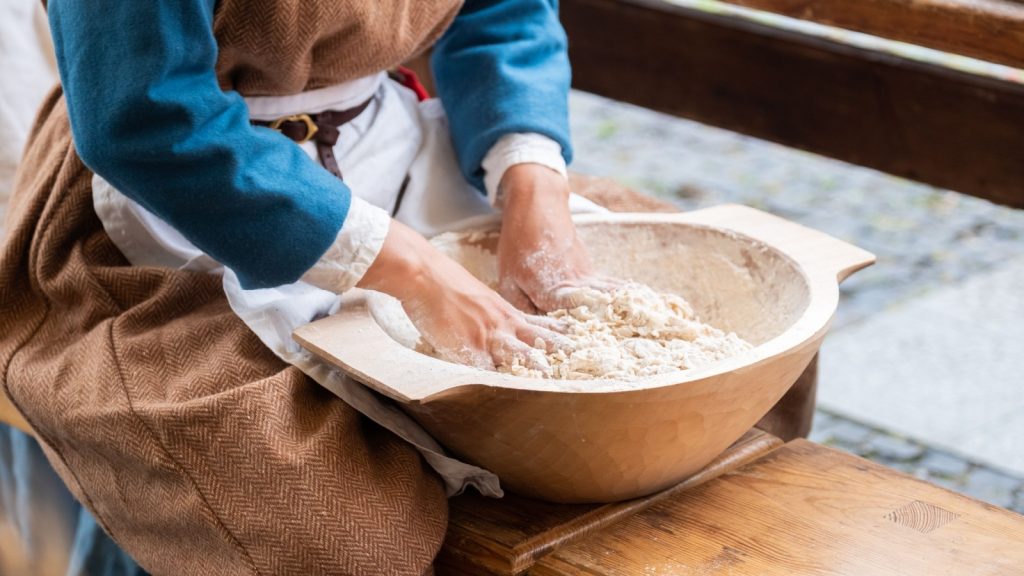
(773, 282)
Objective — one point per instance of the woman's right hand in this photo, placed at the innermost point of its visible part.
(463, 319)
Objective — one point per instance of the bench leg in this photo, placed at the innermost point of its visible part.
(791, 417)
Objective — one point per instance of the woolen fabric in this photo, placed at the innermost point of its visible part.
(278, 47)
(154, 94)
(193, 446)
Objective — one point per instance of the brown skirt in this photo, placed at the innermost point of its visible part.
(196, 449)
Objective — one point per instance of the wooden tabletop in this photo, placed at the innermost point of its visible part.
(488, 536)
(804, 509)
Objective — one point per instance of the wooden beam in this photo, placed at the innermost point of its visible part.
(913, 119)
(991, 30)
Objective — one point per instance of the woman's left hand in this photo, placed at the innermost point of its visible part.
(540, 257)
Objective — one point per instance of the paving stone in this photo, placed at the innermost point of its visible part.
(1018, 505)
(894, 449)
(901, 465)
(943, 369)
(821, 429)
(819, 436)
(849, 433)
(992, 487)
(944, 464)
(947, 483)
(824, 420)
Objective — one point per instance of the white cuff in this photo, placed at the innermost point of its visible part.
(354, 249)
(519, 148)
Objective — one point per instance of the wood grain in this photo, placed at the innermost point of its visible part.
(991, 30)
(488, 536)
(921, 516)
(921, 121)
(805, 509)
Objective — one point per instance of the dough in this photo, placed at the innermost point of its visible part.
(627, 334)
(621, 336)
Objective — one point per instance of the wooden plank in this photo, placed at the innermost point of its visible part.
(991, 30)
(922, 121)
(805, 509)
(487, 536)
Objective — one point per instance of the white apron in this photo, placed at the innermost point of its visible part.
(396, 135)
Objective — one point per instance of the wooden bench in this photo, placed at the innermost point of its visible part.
(717, 63)
(763, 508)
(804, 509)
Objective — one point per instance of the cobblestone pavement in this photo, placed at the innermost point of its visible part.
(924, 238)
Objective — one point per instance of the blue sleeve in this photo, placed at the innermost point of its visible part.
(503, 67)
(147, 115)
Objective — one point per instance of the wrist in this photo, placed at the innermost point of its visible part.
(529, 186)
(400, 268)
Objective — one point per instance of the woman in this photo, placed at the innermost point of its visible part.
(167, 232)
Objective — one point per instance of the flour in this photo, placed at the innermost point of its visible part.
(628, 333)
(738, 294)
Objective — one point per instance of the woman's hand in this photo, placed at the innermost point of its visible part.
(463, 319)
(540, 258)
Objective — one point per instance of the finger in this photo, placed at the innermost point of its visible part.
(544, 339)
(606, 283)
(574, 296)
(553, 324)
(590, 291)
(513, 353)
(515, 296)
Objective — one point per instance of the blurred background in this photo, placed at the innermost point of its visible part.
(923, 370)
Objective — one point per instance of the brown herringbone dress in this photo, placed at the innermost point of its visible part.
(196, 449)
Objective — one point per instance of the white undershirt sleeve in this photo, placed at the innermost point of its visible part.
(366, 226)
(354, 249)
(519, 148)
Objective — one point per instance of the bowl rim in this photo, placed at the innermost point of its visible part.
(439, 378)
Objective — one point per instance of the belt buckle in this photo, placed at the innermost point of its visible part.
(311, 127)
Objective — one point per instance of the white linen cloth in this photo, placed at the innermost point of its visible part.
(27, 70)
(394, 137)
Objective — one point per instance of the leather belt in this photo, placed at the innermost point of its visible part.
(322, 128)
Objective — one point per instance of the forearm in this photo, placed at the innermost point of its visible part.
(502, 68)
(148, 115)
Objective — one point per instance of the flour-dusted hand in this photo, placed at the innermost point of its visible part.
(541, 261)
(456, 314)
